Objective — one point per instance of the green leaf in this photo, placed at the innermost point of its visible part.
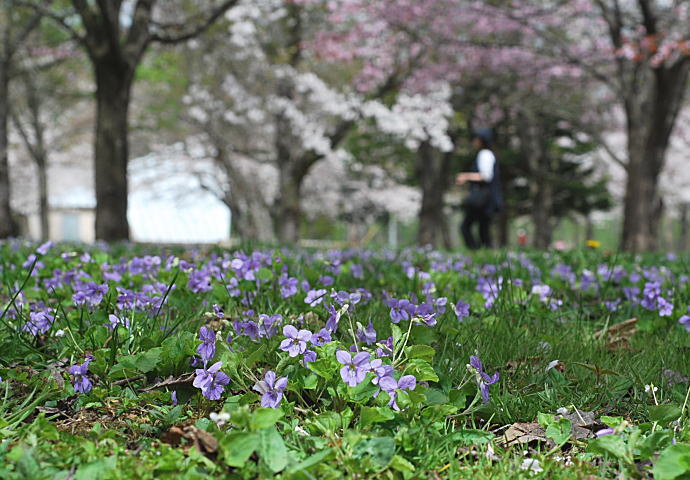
(664, 413)
(309, 462)
(310, 382)
(559, 431)
(400, 464)
(363, 392)
(264, 274)
(421, 370)
(423, 352)
(237, 447)
(609, 444)
(323, 367)
(96, 470)
(370, 415)
(255, 356)
(457, 398)
(674, 462)
(655, 442)
(471, 436)
(380, 450)
(265, 417)
(142, 362)
(272, 449)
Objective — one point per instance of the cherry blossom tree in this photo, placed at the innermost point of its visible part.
(639, 51)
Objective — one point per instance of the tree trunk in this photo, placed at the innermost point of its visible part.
(7, 224)
(287, 211)
(651, 113)
(683, 237)
(433, 171)
(532, 137)
(43, 200)
(113, 86)
(642, 202)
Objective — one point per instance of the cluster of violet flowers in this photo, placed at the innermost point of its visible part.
(211, 381)
(355, 369)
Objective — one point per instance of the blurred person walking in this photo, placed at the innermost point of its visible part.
(485, 198)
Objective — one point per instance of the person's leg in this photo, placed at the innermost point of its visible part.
(485, 230)
(466, 228)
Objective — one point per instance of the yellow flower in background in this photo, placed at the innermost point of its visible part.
(593, 243)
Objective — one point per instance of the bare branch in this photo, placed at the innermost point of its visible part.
(166, 35)
(59, 19)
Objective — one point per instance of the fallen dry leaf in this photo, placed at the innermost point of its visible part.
(524, 433)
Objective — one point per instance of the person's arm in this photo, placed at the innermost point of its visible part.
(485, 165)
(464, 177)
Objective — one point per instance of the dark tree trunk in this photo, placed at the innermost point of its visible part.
(287, 211)
(7, 224)
(683, 234)
(43, 201)
(651, 115)
(113, 86)
(433, 171)
(532, 138)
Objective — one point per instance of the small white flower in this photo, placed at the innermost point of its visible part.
(531, 464)
(562, 411)
(219, 418)
(490, 454)
(551, 365)
(650, 389)
(60, 333)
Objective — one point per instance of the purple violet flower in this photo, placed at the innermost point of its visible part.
(685, 322)
(355, 369)
(207, 349)
(271, 390)
(39, 322)
(462, 309)
(483, 379)
(321, 338)
(389, 385)
(314, 297)
(79, 373)
(367, 335)
(114, 321)
(211, 381)
(296, 341)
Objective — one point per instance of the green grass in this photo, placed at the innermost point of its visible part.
(127, 426)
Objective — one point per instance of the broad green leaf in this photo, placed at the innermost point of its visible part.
(609, 444)
(435, 397)
(264, 274)
(265, 417)
(237, 447)
(421, 370)
(272, 449)
(423, 352)
(664, 413)
(471, 436)
(674, 462)
(400, 464)
(370, 415)
(381, 450)
(323, 367)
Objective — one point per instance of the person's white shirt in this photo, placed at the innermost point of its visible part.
(485, 164)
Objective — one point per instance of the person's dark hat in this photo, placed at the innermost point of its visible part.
(484, 134)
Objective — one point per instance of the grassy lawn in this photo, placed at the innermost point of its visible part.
(135, 362)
